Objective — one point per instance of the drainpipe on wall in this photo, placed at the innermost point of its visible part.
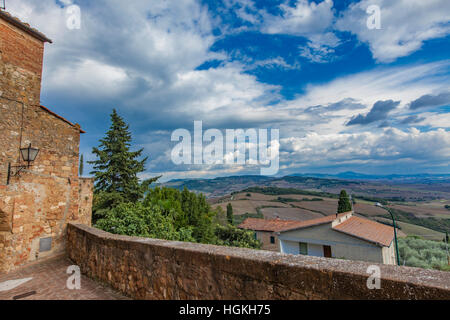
(9, 173)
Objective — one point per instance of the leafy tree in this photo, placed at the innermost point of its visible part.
(81, 165)
(230, 213)
(220, 217)
(167, 213)
(344, 204)
(187, 209)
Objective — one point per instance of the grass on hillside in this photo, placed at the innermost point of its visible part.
(436, 224)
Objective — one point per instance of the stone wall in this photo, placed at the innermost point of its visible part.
(265, 238)
(57, 140)
(36, 205)
(21, 63)
(4, 219)
(39, 207)
(42, 199)
(156, 269)
(85, 199)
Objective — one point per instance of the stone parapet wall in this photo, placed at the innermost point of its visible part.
(157, 269)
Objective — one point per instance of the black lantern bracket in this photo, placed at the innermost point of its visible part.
(28, 154)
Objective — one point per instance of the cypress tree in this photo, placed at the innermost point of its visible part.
(116, 168)
(81, 165)
(230, 213)
(344, 204)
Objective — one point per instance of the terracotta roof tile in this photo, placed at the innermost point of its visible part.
(61, 118)
(278, 225)
(367, 230)
(23, 26)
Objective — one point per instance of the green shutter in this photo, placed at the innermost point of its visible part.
(303, 248)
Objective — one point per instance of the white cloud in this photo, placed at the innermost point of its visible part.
(405, 25)
(153, 41)
(91, 77)
(277, 62)
(303, 19)
(382, 148)
(320, 47)
(435, 120)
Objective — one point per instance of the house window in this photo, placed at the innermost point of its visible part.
(303, 248)
(256, 236)
(272, 240)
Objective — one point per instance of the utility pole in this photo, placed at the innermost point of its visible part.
(395, 234)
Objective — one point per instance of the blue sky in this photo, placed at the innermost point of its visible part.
(344, 96)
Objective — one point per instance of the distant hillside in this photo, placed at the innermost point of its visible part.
(417, 178)
(396, 188)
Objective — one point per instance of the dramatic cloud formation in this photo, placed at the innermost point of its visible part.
(379, 111)
(413, 147)
(429, 100)
(247, 64)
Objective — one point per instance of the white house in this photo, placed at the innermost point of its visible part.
(342, 236)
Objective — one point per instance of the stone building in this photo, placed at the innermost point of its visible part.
(37, 201)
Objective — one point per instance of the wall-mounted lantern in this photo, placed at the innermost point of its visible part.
(28, 154)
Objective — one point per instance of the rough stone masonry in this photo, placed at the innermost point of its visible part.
(35, 206)
(157, 269)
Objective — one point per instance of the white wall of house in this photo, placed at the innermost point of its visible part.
(389, 255)
(290, 247)
(342, 246)
(315, 250)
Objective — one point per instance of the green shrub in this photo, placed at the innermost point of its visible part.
(171, 214)
(143, 221)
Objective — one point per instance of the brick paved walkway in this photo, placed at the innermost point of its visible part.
(49, 283)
